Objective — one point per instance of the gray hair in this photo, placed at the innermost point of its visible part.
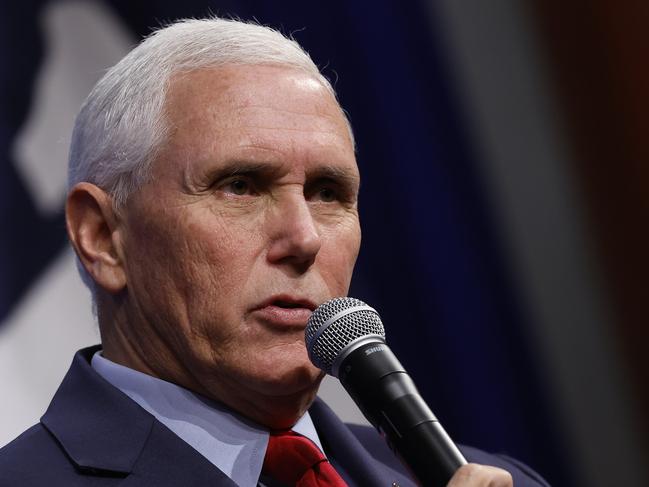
(121, 125)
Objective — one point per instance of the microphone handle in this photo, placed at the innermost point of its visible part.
(388, 398)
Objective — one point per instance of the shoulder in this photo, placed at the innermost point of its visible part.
(523, 475)
(34, 459)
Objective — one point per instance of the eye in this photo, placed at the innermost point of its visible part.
(327, 194)
(238, 186)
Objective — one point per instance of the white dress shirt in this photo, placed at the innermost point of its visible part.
(232, 443)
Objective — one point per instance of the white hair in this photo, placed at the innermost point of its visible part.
(121, 125)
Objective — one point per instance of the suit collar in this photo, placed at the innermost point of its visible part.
(355, 463)
(97, 426)
(102, 430)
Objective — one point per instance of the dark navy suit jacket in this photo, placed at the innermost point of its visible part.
(94, 435)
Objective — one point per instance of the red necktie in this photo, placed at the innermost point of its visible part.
(296, 461)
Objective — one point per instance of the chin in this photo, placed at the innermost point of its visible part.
(287, 379)
(282, 412)
(287, 396)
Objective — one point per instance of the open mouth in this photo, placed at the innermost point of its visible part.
(288, 304)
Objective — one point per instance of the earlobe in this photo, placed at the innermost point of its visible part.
(93, 229)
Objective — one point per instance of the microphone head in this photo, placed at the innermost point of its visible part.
(335, 326)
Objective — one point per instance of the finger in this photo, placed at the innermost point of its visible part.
(474, 475)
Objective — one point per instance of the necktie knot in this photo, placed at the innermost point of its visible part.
(294, 460)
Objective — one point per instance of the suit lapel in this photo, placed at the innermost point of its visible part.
(166, 460)
(105, 433)
(347, 454)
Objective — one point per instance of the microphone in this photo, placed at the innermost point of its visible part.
(345, 338)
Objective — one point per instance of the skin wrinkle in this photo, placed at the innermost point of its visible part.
(206, 186)
(245, 106)
(169, 340)
(350, 181)
(242, 104)
(186, 320)
(128, 342)
(288, 129)
(214, 255)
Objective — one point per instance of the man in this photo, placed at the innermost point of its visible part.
(212, 206)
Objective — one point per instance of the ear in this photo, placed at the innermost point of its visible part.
(93, 229)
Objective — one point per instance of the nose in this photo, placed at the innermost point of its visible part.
(294, 237)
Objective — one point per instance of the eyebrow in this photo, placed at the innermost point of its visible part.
(347, 180)
(335, 173)
(327, 171)
(235, 167)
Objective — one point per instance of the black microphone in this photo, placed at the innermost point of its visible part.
(345, 338)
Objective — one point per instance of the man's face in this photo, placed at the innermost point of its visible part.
(249, 222)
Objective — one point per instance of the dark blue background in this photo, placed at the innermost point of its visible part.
(431, 262)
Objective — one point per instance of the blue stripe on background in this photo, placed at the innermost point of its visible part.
(28, 240)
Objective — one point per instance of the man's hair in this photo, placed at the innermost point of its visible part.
(121, 125)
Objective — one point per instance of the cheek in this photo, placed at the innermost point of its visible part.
(338, 256)
(222, 256)
(213, 261)
(176, 260)
(225, 237)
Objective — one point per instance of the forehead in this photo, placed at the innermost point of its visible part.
(260, 114)
(253, 105)
(246, 85)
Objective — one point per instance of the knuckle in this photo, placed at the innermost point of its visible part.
(499, 478)
(475, 475)
(468, 472)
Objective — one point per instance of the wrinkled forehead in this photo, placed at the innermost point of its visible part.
(212, 110)
(244, 90)
(239, 87)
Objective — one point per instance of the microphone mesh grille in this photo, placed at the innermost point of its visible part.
(325, 346)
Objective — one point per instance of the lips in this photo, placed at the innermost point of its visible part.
(285, 311)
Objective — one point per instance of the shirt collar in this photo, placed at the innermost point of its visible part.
(232, 443)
